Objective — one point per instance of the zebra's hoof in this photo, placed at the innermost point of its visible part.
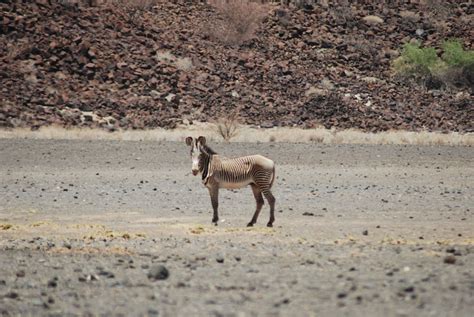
(270, 225)
(250, 224)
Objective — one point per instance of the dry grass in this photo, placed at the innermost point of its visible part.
(5, 226)
(239, 19)
(228, 127)
(249, 134)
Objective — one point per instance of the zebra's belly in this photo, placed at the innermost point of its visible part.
(235, 185)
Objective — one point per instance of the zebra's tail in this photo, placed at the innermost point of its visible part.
(273, 176)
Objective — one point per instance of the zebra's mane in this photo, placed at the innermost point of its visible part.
(208, 150)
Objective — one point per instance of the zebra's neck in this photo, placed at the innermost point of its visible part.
(207, 154)
(206, 162)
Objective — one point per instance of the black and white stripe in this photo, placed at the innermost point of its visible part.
(221, 172)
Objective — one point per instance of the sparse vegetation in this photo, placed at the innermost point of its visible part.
(453, 68)
(5, 226)
(227, 127)
(238, 23)
(455, 56)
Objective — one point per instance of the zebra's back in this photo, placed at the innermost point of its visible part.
(233, 173)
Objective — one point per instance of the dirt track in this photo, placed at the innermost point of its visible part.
(360, 230)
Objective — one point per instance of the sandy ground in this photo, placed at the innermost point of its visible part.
(123, 228)
(248, 134)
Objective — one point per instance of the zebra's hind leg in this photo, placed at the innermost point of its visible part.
(271, 201)
(259, 201)
(214, 193)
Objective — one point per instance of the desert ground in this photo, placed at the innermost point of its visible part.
(123, 228)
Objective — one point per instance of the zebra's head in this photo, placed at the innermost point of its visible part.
(197, 147)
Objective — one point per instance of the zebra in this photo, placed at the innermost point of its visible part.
(232, 173)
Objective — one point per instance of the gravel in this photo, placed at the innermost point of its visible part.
(135, 252)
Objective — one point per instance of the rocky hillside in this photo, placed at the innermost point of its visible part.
(143, 67)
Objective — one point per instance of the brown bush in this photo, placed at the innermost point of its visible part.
(228, 126)
(238, 20)
(458, 77)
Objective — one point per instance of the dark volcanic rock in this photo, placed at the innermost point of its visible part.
(155, 67)
(450, 259)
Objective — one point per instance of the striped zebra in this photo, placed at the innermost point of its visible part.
(232, 173)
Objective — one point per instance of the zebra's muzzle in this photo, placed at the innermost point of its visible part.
(195, 172)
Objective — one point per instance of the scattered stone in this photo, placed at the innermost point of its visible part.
(365, 232)
(450, 259)
(106, 274)
(342, 295)
(409, 289)
(148, 87)
(158, 272)
(12, 295)
(370, 80)
(53, 282)
(372, 19)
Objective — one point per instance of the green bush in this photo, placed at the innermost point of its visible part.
(417, 61)
(455, 56)
(452, 68)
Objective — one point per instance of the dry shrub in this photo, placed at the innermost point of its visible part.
(316, 138)
(341, 12)
(238, 21)
(20, 50)
(437, 9)
(228, 127)
(454, 78)
(437, 12)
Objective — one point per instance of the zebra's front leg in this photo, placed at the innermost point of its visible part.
(214, 193)
(259, 201)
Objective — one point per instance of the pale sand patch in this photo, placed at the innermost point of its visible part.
(248, 134)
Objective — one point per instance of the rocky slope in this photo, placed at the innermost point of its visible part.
(131, 67)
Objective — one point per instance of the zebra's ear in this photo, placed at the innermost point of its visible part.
(189, 141)
(202, 140)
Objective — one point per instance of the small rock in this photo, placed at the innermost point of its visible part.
(158, 272)
(11, 295)
(170, 97)
(155, 94)
(314, 91)
(372, 19)
(454, 251)
(365, 232)
(410, 15)
(106, 274)
(370, 80)
(220, 259)
(342, 295)
(327, 84)
(419, 32)
(409, 289)
(267, 125)
(450, 259)
(52, 283)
